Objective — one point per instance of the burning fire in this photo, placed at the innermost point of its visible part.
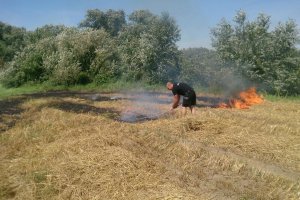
(244, 100)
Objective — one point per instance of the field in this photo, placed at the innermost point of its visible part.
(83, 145)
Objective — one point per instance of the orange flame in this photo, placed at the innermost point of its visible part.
(244, 101)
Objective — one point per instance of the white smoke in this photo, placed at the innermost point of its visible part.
(143, 106)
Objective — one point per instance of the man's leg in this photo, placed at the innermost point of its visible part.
(184, 111)
(193, 103)
(185, 105)
(193, 109)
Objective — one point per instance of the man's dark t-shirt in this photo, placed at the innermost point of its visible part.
(188, 93)
(181, 89)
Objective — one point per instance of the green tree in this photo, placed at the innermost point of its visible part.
(102, 49)
(82, 54)
(70, 57)
(26, 66)
(261, 55)
(203, 68)
(148, 47)
(12, 40)
(112, 21)
(44, 32)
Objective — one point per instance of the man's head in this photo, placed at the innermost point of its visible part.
(169, 85)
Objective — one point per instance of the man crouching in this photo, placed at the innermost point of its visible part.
(188, 93)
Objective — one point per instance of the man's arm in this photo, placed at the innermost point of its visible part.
(176, 99)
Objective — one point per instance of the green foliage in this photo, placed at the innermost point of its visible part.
(27, 66)
(203, 69)
(103, 49)
(67, 69)
(71, 57)
(148, 47)
(101, 79)
(12, 40)
(111, 21)
(199, 66)
(267, 57)
(12, 78)
(47, 31)
(276, 98)
(83, 78)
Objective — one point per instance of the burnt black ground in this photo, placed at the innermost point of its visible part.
(10, 109)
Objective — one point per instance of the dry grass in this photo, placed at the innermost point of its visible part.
(56, 151)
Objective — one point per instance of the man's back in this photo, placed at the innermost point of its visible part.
(181, 89)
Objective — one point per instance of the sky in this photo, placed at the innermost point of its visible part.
(195, 18)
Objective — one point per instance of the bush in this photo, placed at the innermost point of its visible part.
(26, 67)
(101, 79)
(267, 57)
(67, 70)
(12, 78)
(83, 78)
(144, 49)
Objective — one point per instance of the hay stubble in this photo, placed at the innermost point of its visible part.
(57, 152)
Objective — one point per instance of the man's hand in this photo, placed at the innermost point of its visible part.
(173, 107)
(176, 99)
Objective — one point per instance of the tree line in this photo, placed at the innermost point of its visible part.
(109, 45)
(104, 47)
(264, 56)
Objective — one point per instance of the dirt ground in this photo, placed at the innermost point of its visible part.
(84, 145)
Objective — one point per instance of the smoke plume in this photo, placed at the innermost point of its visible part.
(143, 106)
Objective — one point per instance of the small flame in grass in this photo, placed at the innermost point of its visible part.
(244, 100)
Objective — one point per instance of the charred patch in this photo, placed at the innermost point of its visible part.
(11, 106)
(83, 108)
(63, 94)
(10, 112)
(211, 102)
(10, 109)
(7, 192)
(134, 118)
